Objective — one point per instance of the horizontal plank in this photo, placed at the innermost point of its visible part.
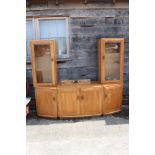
(80, 12)
(100, 30)
(87, 38)
(99, 21)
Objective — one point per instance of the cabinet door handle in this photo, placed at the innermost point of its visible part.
(105, 93)
(53, 98)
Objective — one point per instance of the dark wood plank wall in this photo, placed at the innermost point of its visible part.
(86, 24)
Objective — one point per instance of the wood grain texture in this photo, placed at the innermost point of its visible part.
(78, 100)
(91, 100)
(68, 100)
(112, 98)
(46, 102)
(54, 63)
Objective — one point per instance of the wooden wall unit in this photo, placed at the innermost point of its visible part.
(75, 99)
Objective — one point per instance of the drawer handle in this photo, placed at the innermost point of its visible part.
(105, 94)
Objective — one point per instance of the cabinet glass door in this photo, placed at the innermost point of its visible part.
(43, 68)
(112, 61)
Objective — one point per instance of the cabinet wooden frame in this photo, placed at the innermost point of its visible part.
(101, 59)
(52, 45)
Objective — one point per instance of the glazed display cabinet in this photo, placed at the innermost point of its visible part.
(80, 98)
(110, 60)
(43, 59)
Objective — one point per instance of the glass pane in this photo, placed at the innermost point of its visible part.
(29, 36)
(61, 46)
(43, 63)
(55, 29)
(61, 28)
(112, 61)
(51, 28)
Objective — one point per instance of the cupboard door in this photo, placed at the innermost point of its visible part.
(111, 56)
(112, 98)
(46, 102)
(43, 62)
(68, 101)
(91, 100)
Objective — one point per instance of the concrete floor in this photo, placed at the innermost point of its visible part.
(105, 135)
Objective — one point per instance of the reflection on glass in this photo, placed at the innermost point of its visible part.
(43, 63)
(61, 46)
(112, 61)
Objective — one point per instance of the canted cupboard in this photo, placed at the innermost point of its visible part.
(78, 98)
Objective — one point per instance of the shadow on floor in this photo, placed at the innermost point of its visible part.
(114, 119)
